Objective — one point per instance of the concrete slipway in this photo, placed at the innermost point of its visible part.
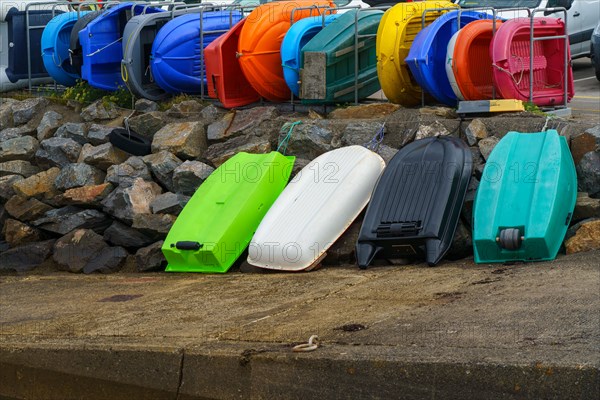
(412, 332)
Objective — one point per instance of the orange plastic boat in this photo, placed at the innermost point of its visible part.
(224, 75)
(259, 48)
(472, 62)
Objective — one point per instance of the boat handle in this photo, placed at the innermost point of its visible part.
(576, 14)
(194, 246)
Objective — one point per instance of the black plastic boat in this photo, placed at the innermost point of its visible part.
(75, 49)
(417, 202)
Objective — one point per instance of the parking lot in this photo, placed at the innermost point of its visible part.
(587, 90)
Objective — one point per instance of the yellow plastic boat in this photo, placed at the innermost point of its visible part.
(397, 30)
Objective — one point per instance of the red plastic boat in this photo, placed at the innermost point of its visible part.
(224, 74)
(511, 56)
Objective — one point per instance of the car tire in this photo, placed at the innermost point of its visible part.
(130, 142)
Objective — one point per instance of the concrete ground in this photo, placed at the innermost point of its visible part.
(458, 330)
(586, 103)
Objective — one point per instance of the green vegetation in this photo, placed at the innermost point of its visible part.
(532, 108)
(83, 93)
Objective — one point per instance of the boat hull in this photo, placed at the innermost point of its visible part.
(529, 184)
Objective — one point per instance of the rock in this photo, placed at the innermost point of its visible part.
(3, 247)
(299, 164)
(218, 153)
(583, 143)
(211, 114)
(98, 110)
(586, 207)
(39, 185)
(188, 176)
(18, 167)
(12, 133)
(63, 220)
(25, 110)
(151, 258)
(586, 238)
(478, 161)
(119, 234)
(108, 260)
(312, 114)
(186, 108)
(444, 112)
(364, 111)
(169, 203)
(155, 226)
(6, 117)
(163, 165)
(75, 250)
(186, 140)
(57, 152)
(309, 140)
(124, 174)
(487, 145)
(90, 196)
(102, 156)
(17, 233)
(126, 202)
(343, 250)
(72, 130)
(462, 245)
(588, 174)
(77, 175)
(431, 130)
(20, 148)
(99, 134)
(145, 105)
(241, 122)
(475, 131)
(6, 186)
(27, 257)
(386, 152)
(148, 124)
(48, 125)
(467, 210)
(26, 209)
(360, 132)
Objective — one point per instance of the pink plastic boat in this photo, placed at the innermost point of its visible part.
(511, 56)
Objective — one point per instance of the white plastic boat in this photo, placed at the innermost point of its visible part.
(315, 209)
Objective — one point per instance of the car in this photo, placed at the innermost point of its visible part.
(595, 50)
(582, 17)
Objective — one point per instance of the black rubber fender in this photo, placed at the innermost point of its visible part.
(130, 142)
(510, 239)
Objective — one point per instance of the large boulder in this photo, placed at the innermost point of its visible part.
(146, 106)
(156, 226)
(18, 167)
(586, 238)
(163, 165)
(148, 124)
(125, 203)
(584, 142)
(25, 209)
(19, 148)
(12, 133)
(66, 219)
(40, 185)
(108, 260)
(588, 173)
(308, 140)
(242, 122)
(88, 196)
(169, 203)
(6, 186)
(57, 152)
(100, 110)
(188, 176)
(123, 175)
(27, 257)
(17, 233)
(50, 122)
(119, 234)
(586, 207)
(185, 109)
(99, 134)
(365, 111)
(73, 130)
(487, 145)
(186, 140)
(218, 153)
(77, 175)
(25, 110)
(151, 258)
(102, 156)
(76, 249)
(476, 131)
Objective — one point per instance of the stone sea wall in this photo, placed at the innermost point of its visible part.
(70, 200)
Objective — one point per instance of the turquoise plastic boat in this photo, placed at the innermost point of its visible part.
(525, 200)
(218, 222)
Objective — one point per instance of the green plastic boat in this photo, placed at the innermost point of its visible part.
(218, 222)
(525, 200)
(328, 73)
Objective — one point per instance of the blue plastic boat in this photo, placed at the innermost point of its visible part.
(291, 48)
(427, 56)
(177, 60)
(55, 48)
(102, 47)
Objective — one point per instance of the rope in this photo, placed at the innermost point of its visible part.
(283, 143)
(104, 48)
(312, 345)
(374, 143)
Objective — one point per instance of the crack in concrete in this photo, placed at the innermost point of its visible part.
(180, 374)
